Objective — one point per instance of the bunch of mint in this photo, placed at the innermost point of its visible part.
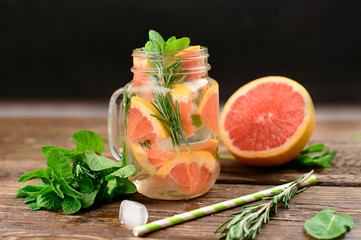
(157, 43)
(76, 179)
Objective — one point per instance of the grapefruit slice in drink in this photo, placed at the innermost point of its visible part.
(210, 146)
(183, 94)
(191, 61)
(151, 159)
(142, 84)
(192, 172)
(208, 108)
(268, 121)
(141, 126)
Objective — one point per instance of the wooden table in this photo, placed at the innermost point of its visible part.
(21, 139)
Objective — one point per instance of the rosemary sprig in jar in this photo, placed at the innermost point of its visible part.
(164, 79)
(247, 223)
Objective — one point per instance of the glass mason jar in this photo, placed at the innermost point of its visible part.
(164, 122)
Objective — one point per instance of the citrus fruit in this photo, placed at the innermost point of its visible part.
(140, 66)
(142, 84)
(210, 146)
(183, 94)
(141, 126)
(190, 60)
(268, 121)
(150, 159)
(208, 108)
(192, 172)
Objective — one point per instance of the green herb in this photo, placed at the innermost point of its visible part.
(76, 179)
(167, 77)
(196, 120)
(157, 43)
(355, 138)
(327, 225)
(318, 159)
(247, 223)
(127, 101)
(171, 119)
(177, 44)
(146, 144)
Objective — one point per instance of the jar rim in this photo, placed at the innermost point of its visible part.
(201, 50)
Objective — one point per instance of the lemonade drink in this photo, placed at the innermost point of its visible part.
(166, 124)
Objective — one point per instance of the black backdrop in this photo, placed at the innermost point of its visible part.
(81, 49)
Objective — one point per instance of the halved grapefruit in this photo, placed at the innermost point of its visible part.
(192, 172)
(268, 121)
(141, 126)
(208, 108)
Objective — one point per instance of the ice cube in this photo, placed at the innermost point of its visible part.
(132, 214)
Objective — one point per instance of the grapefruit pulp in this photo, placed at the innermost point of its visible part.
(268, 121)
(150, 159)
(141, 126)
(183, 94)
(192, 172)
(191, 62)
(208, 108)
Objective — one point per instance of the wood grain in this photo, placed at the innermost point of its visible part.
(20, 152)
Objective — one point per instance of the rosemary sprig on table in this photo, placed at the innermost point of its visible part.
(247, 223)
(165, 78)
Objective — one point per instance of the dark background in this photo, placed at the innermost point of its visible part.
(82, 49)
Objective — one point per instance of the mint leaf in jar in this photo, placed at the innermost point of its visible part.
(155, 36)
(178, 44)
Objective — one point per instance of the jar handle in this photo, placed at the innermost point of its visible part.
(116, 125)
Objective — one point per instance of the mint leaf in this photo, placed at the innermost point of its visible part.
(60, 165)
(34, 206)
(155, 36)
(123, 172)
(327, 225)
(55, 185)
(85, 184)
(314, 148)
(87, 140)
(178, 44)
(98, 163)
(29, 190)
(68, 190)
(40, 173)
(196, 120)
(71, 205)
(171, 39)
(65, 152)
(29, 199)
(88, 198)
(125, 186)
(49, 201)
(111, 186)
